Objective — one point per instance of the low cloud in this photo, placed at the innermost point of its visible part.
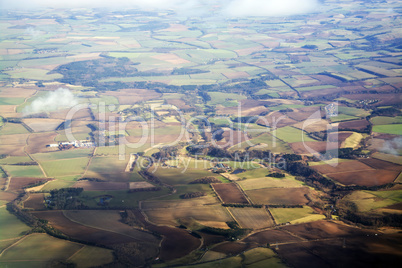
(393, 146)
(243, 8)
(230, 8)
(52, 101)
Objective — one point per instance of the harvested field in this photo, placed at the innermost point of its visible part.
(229, 193)
(252, 218)
(81, 232)
(101, 186)
(269, 182)
(17, 184)
(271, 237)
(203, 214)
(276, 120)
(384, 99)
(342, 167)
(133, 95)
(42, 124)
(365, 251)
(357, 125)
(37, 142)
(302, 113)
(312, 125)
(35, 201)
(176, 243)
(365, 177)
(232, 248)
(389, 158)
(16, 92)
(380, 164)
(139, 185)
(322, 230)
(312, 147)
(178, 103)
(8, 196)
(279, 196)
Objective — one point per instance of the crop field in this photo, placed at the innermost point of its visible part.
(253, 218)
(92, 256)
(352, 141)
(357, 125)
(265, 141)
(365, 177)
(81, 232)
(271, 237)
(366, 201)
(388, 157)
(229, 193)
(279, 196)
(42, 124)
(12, 224)
(59, 155)
(110, 222)
(59, 168)
(342, 167)
(35, 201)
(294, 215)
(395, 129)
(37, 142)
(210, 215)
(380, 164)
(17, 184)
(311, 147)
(10, 129)
(384, 120)
(24, 171)
(269, 182)
(101, 186)
(176, 176)
(33, 246)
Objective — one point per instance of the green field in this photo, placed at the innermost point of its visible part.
(24, 171)
(59, 168)
(10, 128)
(10, 160)
(369, 200)
(92, 256)
(11, 101)
(12, 224)
(222, 97)
(293, 215)
(265, 141)
(60, 182)
(385, 120)
(395, 129)
(353, 111)
(291, 134)
(59, 155)
(175, 176)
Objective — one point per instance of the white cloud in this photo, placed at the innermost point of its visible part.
(52, 101)
(242, 8)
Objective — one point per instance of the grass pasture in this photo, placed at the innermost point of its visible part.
(90, 256)
(385, 120)
(294, 215)
(395, 129)
(279, 196)
(24, 171)
(59, 155)
(10, 129)
(32, 247)
(291, 134)
(269, 182)
(175, 176)
(368, 200)
(65, 167)
(12, 224)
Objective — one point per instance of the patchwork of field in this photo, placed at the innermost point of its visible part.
(30, 249)
(370, 200)
(269, 182)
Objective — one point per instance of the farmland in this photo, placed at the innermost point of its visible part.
(205, 134)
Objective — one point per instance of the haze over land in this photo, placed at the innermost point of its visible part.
(200, 133)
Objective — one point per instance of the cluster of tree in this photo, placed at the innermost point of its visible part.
(206, 180)
(204, 95)
(149, 176)
(166, 152)
(234, 233)
(180, 71)
(286, 206)
(217, 152)
(36, 183)
(3, 174)
(276, 175)
(65, 198)
(148, 189)
(31, 163)
(128, 217)
(233, 205)
(133, 254)
(90, 179)
(390, 111)
(192, 195)
(245, 119)
(291, 157)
